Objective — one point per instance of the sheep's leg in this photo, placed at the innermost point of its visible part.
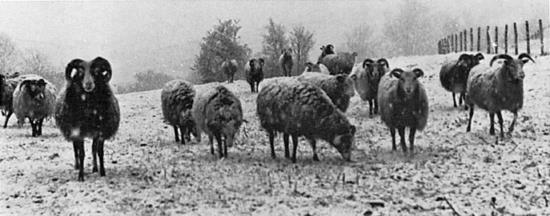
(313, 144)
(94, 155)
(370, 107)
(271, 135)
(7, 119)
(454, 100)
(211, 141)
(285, 139)
(401, 131)
(77, 153)
(176, 135)
(411, 140)
(81, 156)
(225, 147)
(183, 132)
(220, 145)
(33, 127)
(252, 87)
(492, 119)
(294, 150)
(375, 106)
(100, 144)
(460, 98)
(500, 122)
(40, 122)
(470, 117)
(511, 129)
(392, 132)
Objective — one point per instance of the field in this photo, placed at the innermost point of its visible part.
(149, 174)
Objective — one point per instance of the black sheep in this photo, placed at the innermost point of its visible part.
(454, 74)
(87, 108)
(254, 73)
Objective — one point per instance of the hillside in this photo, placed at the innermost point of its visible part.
(149, 174)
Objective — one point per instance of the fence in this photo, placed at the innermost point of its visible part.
(458, 42)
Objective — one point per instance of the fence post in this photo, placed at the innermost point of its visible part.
(472, 39)
(527, 37)
(516, 38)
(541, 37)
(478, 39)
(496, 39)
(465, 40)
(488, 41)
(506, 39)
(456, 42)
(460, 41)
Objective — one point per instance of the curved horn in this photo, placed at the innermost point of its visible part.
(104, 67)
(367, 62)
(384, 62)
(419, 72)
(523, 56)
(75, 63)
(501, 56)
(396, 72)
(479, 56)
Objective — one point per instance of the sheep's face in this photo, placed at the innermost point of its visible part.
(35, 88)
(87, 75)
(256, 64)
(408, 81)
(287, 52)
(375, 70)
(345, 83)
(326, 50)
(512, 68)
(344, 143)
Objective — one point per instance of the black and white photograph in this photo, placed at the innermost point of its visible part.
(266, 107)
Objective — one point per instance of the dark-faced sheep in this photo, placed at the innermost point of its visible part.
(454, 74)
(229, 68)
(326, 50)
(254, 73)
(285, 61)
(403, 103)
(497, 88)
(8, 83)
(177, 101)
(301, 109)
(320, 68)
(87, 108)
(34, 99)
(366, 79)
(219, 114)
(341, 62)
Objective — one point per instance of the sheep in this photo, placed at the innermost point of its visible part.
(366, 78)
(254, 73)
(339, 88)
(87, 108)
(497, 88)
(301, 109)
(229, 68)
(341, 62)
(218, 112)
(285, 60)
(176, 102)
(454, 74)
(8, 83)
(34, 98)
(321, 68)
(326, 50)
(403, 103)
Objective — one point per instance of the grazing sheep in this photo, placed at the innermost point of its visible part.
(229, 68)
(310, 67)
(34, 98)
(219, 114)
(177, 100)
(8, 83)
(254, 73)
(339, 88)
(454, 74)
(497, 88)
(286, 62)
(403, 103)
(301, 109)
(88, 108)
(341, 62)
(366, 78)
(325, 50)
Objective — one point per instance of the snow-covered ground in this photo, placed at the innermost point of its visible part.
(149, 174)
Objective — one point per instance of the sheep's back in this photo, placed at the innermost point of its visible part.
(339, 93)
(217, 108)
(176, 97)
(445, 75)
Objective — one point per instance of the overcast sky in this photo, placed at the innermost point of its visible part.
(131, 33)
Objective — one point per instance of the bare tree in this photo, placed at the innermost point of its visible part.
(36, 62)
(274, 41)
(361, 40)
(301, 42)
(8, 54)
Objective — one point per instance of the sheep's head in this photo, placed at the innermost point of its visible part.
(376, 69)
(88, 75)
(512, 69)
(328, 49)
(287, 52)
(256, 64)
(35, 88)
(408, 81)
(343, 142)
(346, 83)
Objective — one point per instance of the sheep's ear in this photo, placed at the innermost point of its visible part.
(367, 62)
(396, 72)
(104, 68)
(341, 78)
(353, 76)
(41, 82)
(251, 63)
(418, 72)
(524, 57)
(261, 62)
(479, 56)
(501, 56)
(384, 63)
(74, 64)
